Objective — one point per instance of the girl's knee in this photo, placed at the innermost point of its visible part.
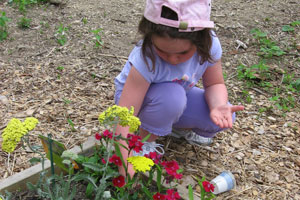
(166, 100)
(172, 99)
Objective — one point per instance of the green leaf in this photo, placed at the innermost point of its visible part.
(118, 152)
(146, 191)
(30, 186)
(295, 23)
(158, 178)
(191, 195)
(287, 28)
(89, 190)
(34, 160)
(146, 138)
(94, 166)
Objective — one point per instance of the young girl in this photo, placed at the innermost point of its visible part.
(158, 80)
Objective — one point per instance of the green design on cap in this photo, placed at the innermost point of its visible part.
(183, 25)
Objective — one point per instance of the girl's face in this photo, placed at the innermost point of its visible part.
(173, 51)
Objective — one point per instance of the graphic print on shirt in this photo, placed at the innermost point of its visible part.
(186, 82)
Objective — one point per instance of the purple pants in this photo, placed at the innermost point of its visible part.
(168, 105)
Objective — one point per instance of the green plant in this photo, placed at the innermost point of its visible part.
(24, 23)
(23, 4)
(206, 190)
(100, 171)
(70, 122)
(295, 23)
(296, 84)
(60, 68)
(268, 48)
(259, 71)
(98, 37)
(60, 35)
(3, 26)
(66, 101)
(84, 20)
(288, 28)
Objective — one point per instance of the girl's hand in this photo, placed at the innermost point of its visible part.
(222, 115)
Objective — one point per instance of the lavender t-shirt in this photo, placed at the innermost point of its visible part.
(187, 73)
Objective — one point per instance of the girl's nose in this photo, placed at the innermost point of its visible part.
(173, 59)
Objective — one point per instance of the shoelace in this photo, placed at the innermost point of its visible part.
(193, 136)
(153, 147)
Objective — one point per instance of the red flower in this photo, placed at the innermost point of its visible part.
(107, 134)
(171, 168)
(208, 187)
(116, 160)
(98, 136)
(153, 156)
(134, 142)
(170, 165)
(159, 196)
(119, 181)
(172, 195)
(103, 161)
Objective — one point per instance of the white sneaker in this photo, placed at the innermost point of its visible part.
(150, 147)
(191, 137)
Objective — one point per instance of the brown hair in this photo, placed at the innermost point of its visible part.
(201, 39)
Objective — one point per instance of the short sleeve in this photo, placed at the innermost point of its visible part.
(216, 50)
(137, 60)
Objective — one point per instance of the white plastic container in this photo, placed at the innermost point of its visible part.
(223, 182)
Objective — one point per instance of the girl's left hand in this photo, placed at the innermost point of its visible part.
(222, 115)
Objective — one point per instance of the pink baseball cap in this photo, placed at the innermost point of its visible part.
(193, 15)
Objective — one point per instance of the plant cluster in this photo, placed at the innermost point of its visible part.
(3, 26)
(282, 86)
(154, 178)
(61, 35)
(98, 37)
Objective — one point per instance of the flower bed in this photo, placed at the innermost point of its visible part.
(97, 166)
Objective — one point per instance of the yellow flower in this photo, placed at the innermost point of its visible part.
(140, 163)
(30, 123)
(14, 131)
(124, 116)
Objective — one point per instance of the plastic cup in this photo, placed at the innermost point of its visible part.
(223, 182)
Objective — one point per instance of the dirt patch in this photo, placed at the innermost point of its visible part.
(55, 83)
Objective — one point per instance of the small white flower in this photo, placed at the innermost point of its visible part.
(67, 162)
(69, 154)
(106, 195)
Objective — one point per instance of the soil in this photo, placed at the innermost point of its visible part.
(58, 83)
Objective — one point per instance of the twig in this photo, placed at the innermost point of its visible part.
(8, 158)
(235, 151)
(114, 56)
(50, 51)
(14, 161)
(208, 149)
(259, 91)
(236, 194)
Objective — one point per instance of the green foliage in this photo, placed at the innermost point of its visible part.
(24, 23)
(257, 71)
(291, 27)
(61, 37)
(24, 4)
(288, 28)
(268, 48)
(296, 84)
(3, 26)
(70, 122)
(98, 37)
(260, 75)
(295, 23)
